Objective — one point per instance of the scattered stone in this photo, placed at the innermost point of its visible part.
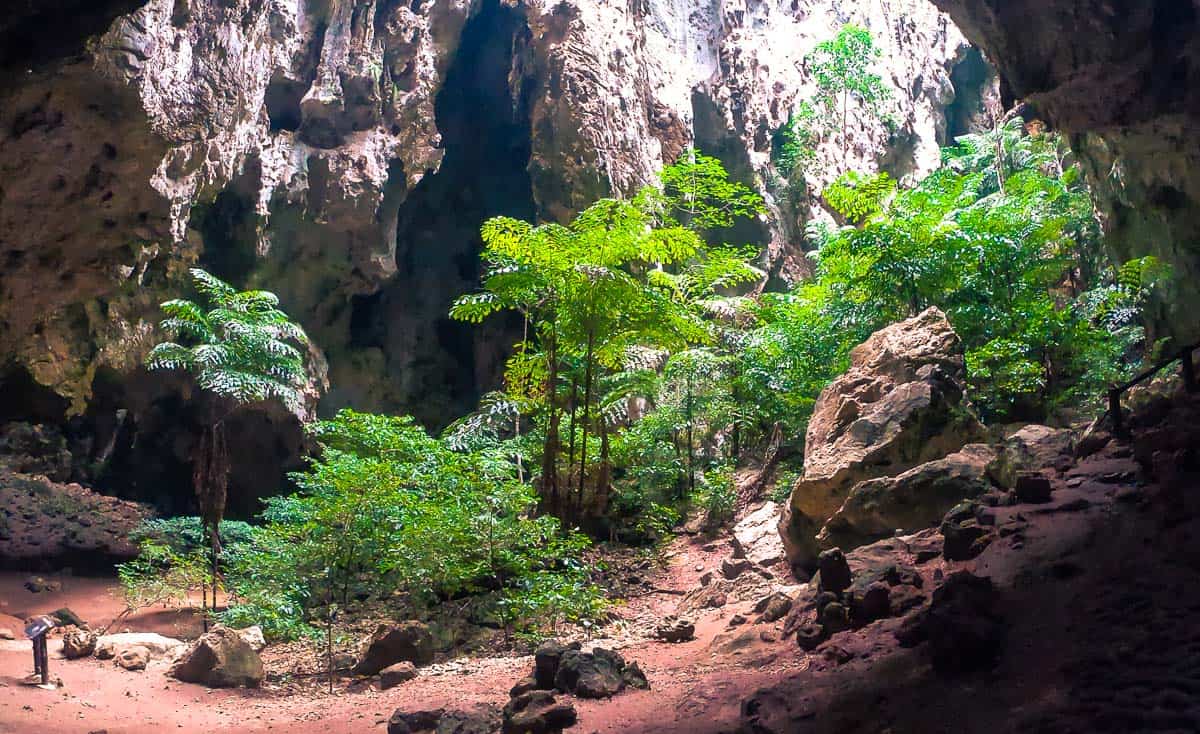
(716, 601)
(134, 657)
(964, 537)
(79, 644)
(773, 608)
(408, 641)
(39, 585)
(220, 659)
(675, 629)
(706, 578)
(537, 712)
(737, 620)
(482, 719)
(834, 570)
(394, 675)
(634, 677)
(343, 661)
(1033, 488)
(731, 568)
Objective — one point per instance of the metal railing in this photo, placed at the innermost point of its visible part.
(1187, 370)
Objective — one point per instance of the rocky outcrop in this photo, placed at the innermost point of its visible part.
(916, 499)
(343, 155)
(900, 404)
(1121, 79)
(408, 641)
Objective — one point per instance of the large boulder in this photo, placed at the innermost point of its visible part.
(78, 643)
(402, 642)
(220, 659)
(899, 405)
(537, 712)
(756, 537)
(914, 500)
(600, 673)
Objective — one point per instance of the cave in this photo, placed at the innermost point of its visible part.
(228, 228)
(437, 368)
(970, 78)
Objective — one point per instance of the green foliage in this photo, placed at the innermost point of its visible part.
(794, 145)
(997, 239)
(238, 345)
(858, 197)
(389, 508)
(163, 573)
(841, 67)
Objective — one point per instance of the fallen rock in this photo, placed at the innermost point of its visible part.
(406, 722)
(598, 674)
(756, 537)
(394, 675)
(773, 608)
(79, 644)
(546, 659)
(634, 677)
(834, 571)
(1032, 448)
(964, 538)
(810, 636)
(537, 712)
(899, 405)
(834, 618)
(109, 646)
(870, 603)
(675, 629)
(220, 659)
(914, 500)
(523, 686)
(39, 585)
(408, 641)
(731, 568)
(134, 657)
(481, 719)
(67, 618)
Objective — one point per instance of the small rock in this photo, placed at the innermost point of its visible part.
(597, 674)
(716, 601)
(38, 585)
(537, 712)
(774, 607)
(836, 654)
(675, 629)
(737, 620)
(343, 661)
(1033, 488)
(78, 644)
(706, 578)
(6, 634)
(394, 675)
(834, 570)
(66, 617)
(731, 568)
(406, 722)
(134, 657)
(809, 636)
(546, 660)
(870, 604)
(835, 617)
(634, 677)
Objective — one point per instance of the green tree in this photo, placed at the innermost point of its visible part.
(241, 349)
(842, 69)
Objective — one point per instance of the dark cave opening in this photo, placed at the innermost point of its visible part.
(282, 100)
(970, 79)
(228, 227)
(437, 367)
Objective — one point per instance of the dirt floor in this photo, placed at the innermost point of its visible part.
(1099, 589)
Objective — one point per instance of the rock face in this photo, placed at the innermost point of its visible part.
(220, 659)
(395, 643)
(918, 498)
(1096, 70)
(900, 404)
(756, 537)
(344, 154)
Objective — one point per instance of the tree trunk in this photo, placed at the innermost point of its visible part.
(551, 444)
(210, 479)
(587, 405)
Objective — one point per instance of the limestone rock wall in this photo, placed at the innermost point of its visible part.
(343, 153)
